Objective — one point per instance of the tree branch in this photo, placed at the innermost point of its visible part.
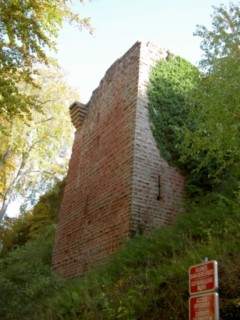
(42, 121)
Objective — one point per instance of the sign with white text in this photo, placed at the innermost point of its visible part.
(204, 307)
(203, 277)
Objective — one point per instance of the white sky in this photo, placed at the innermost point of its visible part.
(119, 24)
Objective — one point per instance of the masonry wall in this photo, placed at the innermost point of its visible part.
(112, 188)
(157, 187)
(96, 207)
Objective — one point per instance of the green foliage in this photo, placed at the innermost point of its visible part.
(170, 82)
(223, 39)
(170, 95)
(32, 162)
(195, 118)
(215, 108)
(26, 278)
(27, 31)
(148, 278)
(32, 224)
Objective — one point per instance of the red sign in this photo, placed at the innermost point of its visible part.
(203, 277)
(204, 307)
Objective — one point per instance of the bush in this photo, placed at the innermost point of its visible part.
(26, 279)
(148, 278)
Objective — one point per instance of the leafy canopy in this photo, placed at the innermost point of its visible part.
(15, 232)
(31, 162)
(195, 117)
(215, 111)
(27, 31)
(223, 39)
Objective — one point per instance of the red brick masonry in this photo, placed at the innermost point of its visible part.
(117, 183)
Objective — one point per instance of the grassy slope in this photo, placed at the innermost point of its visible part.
(147, 279)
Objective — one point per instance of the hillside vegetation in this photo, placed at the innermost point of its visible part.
(148, 277)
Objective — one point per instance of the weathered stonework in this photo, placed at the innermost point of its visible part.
(117, 183)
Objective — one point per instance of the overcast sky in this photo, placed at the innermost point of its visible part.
(119, 24)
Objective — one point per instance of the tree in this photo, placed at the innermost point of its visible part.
(224, 38)
(215, 111)
(34, 153)
(27, 31)
(33, 223)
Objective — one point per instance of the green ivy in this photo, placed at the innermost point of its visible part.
(170, 82)
(172, 97)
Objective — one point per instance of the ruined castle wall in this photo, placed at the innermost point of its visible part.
(157, 187)
(117, 183)
(96, 207)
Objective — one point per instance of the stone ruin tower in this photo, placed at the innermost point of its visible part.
(117, 184)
